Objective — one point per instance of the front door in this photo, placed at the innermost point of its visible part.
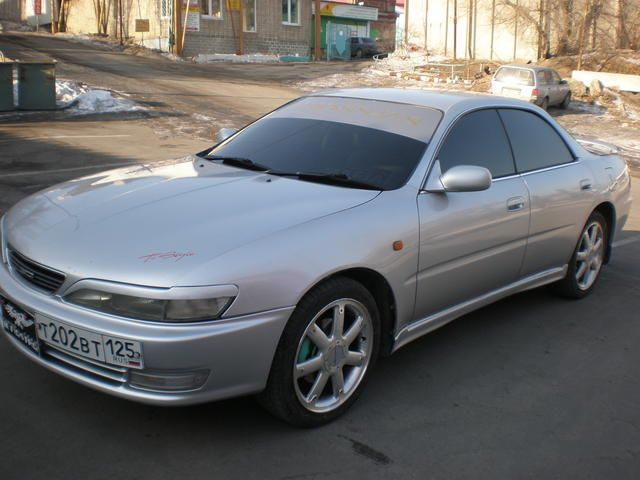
(471, 243)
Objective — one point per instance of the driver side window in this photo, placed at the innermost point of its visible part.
(478, 139)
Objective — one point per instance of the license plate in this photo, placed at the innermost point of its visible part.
(511, 92)
(101, 348)
(19, 324)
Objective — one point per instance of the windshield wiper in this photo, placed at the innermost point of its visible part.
(240, 162)
(339, 179)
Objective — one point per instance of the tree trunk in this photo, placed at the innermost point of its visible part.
(583, 27)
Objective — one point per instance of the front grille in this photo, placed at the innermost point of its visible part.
(100, 371)
(38, 275)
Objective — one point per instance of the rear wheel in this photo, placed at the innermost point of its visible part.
(586, 264)
(359, 53)
(325, 354)
(545, 104)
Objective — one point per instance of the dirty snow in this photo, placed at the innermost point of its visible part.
(79, 99)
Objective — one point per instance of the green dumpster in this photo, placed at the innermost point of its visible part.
(6, 86)
(37, 85)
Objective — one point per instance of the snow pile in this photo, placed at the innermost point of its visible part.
(78, 98)
(9, 26)
(67, 92)
(233, 58)
(172, 57)
(102, 101)
(402, 69)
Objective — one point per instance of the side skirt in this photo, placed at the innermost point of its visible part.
(425, 325)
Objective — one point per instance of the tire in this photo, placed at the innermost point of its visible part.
(565, 103)
(545, 104)
(310, 342)
(359, 53)
(574, 285)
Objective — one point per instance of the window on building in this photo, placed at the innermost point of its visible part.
(291, 12)
(211, 8)
(164, 8)
(249, 15)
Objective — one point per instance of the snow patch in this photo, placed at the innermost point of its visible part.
(78, 98)
(102, 101)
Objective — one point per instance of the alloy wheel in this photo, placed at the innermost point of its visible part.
(333, 355)
(589, 256)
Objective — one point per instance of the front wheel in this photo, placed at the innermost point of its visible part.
(325, 354)
(586, 264)
(565, 103)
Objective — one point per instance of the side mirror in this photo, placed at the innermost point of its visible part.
(225, 133)
(564, 82)
(466, 178)
(462, 178)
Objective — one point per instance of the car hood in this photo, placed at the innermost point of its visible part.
(152, 225)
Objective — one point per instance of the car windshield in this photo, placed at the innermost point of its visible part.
(518, 76)
(366, 141)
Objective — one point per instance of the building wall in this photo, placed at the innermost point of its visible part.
(435, 17)
(271, 35)
(385, 27)
(82, 19)
(12, 10)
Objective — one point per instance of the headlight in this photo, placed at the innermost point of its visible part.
(150, 308)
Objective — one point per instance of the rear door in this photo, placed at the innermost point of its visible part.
(471, 243)
(560, 187)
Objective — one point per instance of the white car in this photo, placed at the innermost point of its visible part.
(539, 85)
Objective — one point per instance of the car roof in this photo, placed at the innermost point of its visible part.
(439, 100)
(527, 66)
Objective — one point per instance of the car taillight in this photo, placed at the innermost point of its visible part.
(534, 92)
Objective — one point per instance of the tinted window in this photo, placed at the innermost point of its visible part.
(535, 143)
(373, 156)
(478, 139)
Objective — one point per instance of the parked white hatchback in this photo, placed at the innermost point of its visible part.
(539, 85)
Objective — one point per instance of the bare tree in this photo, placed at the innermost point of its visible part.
(102, 10)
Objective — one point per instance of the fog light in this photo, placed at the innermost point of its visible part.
(168, 382)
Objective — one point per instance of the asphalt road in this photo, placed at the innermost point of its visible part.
(530, 387)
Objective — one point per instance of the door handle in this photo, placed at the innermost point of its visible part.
(586, 184)
(514, 204)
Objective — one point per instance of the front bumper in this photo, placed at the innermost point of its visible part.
(236, 352)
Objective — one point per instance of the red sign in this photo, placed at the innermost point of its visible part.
(37, 7)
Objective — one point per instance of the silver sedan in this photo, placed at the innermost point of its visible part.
(285, 259)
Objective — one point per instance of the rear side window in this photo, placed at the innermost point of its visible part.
(535, 143)
(517, 76)
(478, 139)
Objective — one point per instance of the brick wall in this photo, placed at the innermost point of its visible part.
(271, 35)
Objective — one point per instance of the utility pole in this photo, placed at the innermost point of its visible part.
(426, 26)
(177, 26)
(54, 16)
(515, 31)
(241, 31)
(317, 30)
(406, 23)
(493, 27)
(455, 28)
(121, 20)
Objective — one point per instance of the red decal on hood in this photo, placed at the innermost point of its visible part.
(175, 256)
